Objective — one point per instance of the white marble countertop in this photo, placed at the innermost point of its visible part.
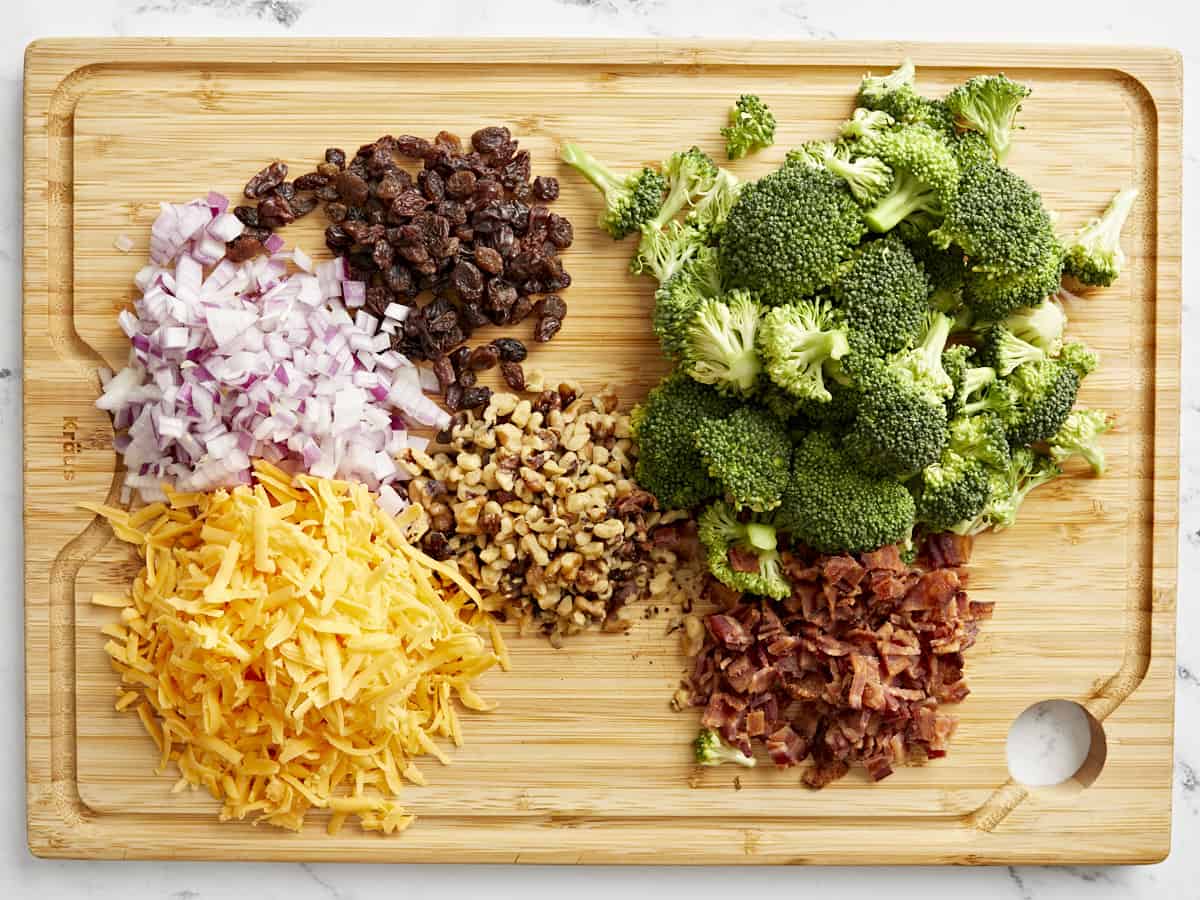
(1149, 22)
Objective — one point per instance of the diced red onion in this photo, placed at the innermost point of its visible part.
(273, 244)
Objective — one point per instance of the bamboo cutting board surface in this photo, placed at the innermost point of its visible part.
(584, 761)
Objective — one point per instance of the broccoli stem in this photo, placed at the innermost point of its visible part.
(908, 195)
(589, 167)
(761, 536)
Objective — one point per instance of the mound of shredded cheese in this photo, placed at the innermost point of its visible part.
(287, 648)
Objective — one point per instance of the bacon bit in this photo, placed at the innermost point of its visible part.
(743, 560)
(851, 668)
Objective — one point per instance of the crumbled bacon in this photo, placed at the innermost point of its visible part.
(851, 668)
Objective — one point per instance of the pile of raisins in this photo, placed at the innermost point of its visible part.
(472, 228)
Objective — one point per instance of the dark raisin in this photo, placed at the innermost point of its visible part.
(510, 349)
(474, 315)
(461, 185)
(336, 238)
(514, 375)
(274, 211)
(448, 140)
(488, 190)
(560, 282)
(467, 378)
(412, 147)
(357, 230)
(444, 248)
(524, 265)
(302, 206)
(336, 157)
(475, 397)
(328, 193)
(406, 205)
(459, 357)
(524, 192)
(531, 286)
(432, 185)
(310, 181)
(377, 300)
(353, 188)
(436, 545)
(398, 279)
(547, 401)
(287, 191)
(504, 241)
(444, 372)
(464, 233)
(552, 305)
(259, 233)
(483, 357)
(486, 140)
(516, 171)
(266, 180)
(242, 248)
(489, 260)
(381, 254)
(329, 170)
(380, 162)
(560, 232)
(501, 295)
(433, 226)
(389, 187)
(546, 328)
(467, 280)
(453, 212)
(247, 215)
(545, 187)
(520, 310)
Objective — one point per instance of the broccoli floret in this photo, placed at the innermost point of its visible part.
(663, 252)
(751, 127)
(677, 299)
(901, 423)
(796, 342)
(748, 453)
(788, 232)
(882, 294)
(1041, 325)
(989, 105)
(968, 380)
(925, 175)
(1004, 351)
(1026, 471)
(1080, 435)
(999, 398)
(742, 555)
(711, 208)
(629, 201)
(719, 344)
(998, 221)
(669, 465)
(712, 751)
(971, 149)
(867, 123)
(954, 489)
(868, 177)
(1044, 392)
(894, 93)
(982, 437)
(839, 411)
(834, 507)
(992, 296)
(1094, 254)
(814, 154)
(945, 269)
(689, 174)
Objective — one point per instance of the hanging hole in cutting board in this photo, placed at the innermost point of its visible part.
(1056, 745)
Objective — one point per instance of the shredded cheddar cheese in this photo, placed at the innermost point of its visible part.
(287, 648)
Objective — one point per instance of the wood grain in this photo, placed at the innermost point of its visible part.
(585, 762)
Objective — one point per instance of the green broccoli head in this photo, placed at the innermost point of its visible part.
(945, 269)
(922, 365)
(925, 175)
(797, 342)
(882, 295)
(970, 382)
(669, 465)
(1004, 351)
(719, 346)
(1044, 392)
(788, 232)
(1041, 325)
(868, 178)
(678, 298)
(742, 554)
(1080, 436)
(663, 252)
(971, 149)
(629, 201)
(981, 437)
(832, 506)
(751, 127)
(689, 173)
(867, 123)
(710, 750)
(1093, 254)
(992, 296)
(711, 207)
(1026, 471)
(749, 454)
(952, 490)
(998, 221)
(894, 93)
(989, 105)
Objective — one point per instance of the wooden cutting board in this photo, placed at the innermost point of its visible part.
(585, 762)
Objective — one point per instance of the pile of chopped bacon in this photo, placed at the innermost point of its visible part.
(851, 668)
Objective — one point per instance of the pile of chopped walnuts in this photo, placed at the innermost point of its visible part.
(536, 501)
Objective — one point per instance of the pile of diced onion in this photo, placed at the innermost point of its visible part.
(263, 360)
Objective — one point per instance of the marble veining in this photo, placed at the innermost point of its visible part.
(1155, 22)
